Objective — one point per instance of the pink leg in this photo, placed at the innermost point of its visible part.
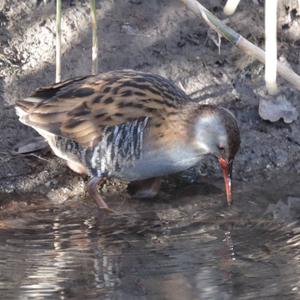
(92, 190)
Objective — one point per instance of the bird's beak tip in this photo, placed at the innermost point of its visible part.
(229, 201)
(227, 168)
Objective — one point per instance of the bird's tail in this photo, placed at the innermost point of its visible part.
(25, 107)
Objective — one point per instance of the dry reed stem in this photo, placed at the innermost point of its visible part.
(271, 46)
(230, 7)
(94, 38)
(58, 42)
(240, 42)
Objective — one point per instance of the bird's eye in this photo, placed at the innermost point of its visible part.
(221, 148)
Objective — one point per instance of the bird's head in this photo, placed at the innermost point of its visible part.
(216, 132)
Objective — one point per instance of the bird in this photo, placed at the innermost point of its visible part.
(131, 125)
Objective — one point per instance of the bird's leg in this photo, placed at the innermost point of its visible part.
(92, 190)
(77, 167)
(147, 188)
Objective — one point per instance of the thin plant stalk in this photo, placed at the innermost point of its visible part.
(58, 42)
(239, 41)
(271, 46)
(230, 7)
(94, 37)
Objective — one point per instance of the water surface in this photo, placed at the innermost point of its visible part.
(184, 245)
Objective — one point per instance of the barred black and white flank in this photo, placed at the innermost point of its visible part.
(118, 150)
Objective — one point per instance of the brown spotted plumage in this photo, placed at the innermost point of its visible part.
(131, 125)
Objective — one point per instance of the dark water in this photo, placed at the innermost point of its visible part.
(186, 245)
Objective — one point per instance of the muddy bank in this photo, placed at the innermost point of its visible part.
(157, 36)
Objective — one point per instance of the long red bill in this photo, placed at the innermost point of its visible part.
(226, 168)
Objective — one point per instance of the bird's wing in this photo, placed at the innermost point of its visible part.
(81, 108)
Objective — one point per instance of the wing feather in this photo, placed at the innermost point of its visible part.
(81, 108)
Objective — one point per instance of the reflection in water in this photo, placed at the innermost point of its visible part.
(188, 247)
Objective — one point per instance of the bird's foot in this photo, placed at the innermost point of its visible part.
(92, 190)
